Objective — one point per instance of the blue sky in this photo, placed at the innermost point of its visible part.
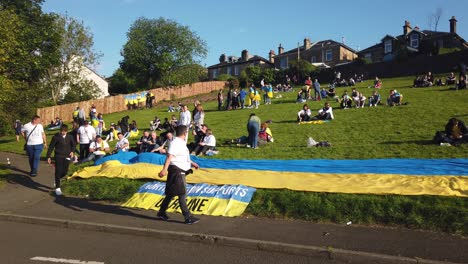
(257, 25)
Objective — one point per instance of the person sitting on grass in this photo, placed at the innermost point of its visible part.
(374, 99)
(456, 131)
(326, 113)
(377, 83)
(162, 149)
(155, 124)
(323, 93)
(395, 98)
(359, 100)
(304, 114)
(451, 79)
(208, 143)
(97, 150)
(346, 101)
(331, 92)
(122, 144)
(144, 142)
(264, 135)
(55, 125)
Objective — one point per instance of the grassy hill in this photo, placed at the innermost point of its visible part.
(383, 132)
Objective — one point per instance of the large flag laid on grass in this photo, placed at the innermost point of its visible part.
(448, 177)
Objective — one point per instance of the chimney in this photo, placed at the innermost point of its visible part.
(280, 50)
(453, 25)
(222, 58)
(245, 55)
(307, 43)
(406, 27)
(271, 56)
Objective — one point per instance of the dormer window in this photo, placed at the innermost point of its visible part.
(414, 40)
(388, 46)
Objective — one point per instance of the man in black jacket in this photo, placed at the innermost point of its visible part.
(64, 146)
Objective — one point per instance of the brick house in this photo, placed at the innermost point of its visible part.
(234, 66)
(325, 52)
(414, 41)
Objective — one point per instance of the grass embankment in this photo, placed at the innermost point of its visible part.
(4, 172)
(381, 132)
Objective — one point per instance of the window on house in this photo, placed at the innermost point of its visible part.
(414, 41)
(313, 59)
(328, 55)
(284, 63)
(236, 70)
(215, 73)
(368, 56)
(229, 70)
(388, 46)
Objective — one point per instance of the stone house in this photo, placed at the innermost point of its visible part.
(414, 41)
(234, 65)
(327, 53)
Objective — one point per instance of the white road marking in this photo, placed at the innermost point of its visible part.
(70, 261)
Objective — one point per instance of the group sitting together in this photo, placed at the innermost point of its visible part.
(325, 113)
(359, 100)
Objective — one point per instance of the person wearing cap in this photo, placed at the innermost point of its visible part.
(86, 134)
(97, 150)
(64, 147)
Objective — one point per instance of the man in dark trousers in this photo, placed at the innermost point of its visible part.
(64, 146)
(177, 166)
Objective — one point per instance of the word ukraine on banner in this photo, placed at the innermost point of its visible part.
(225, 200)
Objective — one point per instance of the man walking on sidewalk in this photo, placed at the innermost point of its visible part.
(36, 141)
(64, 146)
(177, 166)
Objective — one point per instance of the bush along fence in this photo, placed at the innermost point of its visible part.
(117, 103)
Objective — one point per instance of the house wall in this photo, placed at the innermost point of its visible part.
(112, 104)
(339, 55)
(223, 69)
(98, 80)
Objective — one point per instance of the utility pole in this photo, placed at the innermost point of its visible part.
(298, 51)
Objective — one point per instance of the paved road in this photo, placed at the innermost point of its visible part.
(22, 242)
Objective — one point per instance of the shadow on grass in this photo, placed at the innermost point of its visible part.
(79, 204)
(7, 140)
(417, 142)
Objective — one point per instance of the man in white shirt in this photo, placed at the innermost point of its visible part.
(97, 149)
(36, 141)
(122, 144)
(185, 119)
(208, 143)
(177, 166)
(86, 134)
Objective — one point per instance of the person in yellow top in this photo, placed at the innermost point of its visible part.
(264, 135)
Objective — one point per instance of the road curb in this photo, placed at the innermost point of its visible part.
(326, 253)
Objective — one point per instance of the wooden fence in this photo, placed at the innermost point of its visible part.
(116, 103)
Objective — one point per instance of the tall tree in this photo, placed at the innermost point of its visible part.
(157, 46)
(76, 53)
(28, 47)
(434, 18)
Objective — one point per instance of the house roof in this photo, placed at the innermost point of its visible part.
(249, 61)
(316, 45)
(425, 33)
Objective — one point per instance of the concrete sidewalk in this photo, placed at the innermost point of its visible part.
(29, 200)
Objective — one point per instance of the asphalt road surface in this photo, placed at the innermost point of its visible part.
(27, 243)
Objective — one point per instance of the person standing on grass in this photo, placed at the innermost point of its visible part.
(64, 146)
(86, 134)
(253, 127)
(17, 126)
(220, 100)
(177, 166)
(185, 119)
(36, 141)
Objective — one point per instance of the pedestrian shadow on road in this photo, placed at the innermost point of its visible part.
(26, 181)
(79, 204)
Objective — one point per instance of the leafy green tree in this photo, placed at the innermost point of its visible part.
(121, 83)
(28, 47)
(76, 53)
(269, 75)
(184, 75)
(155, 47)
(251, 74)
(301, 68)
